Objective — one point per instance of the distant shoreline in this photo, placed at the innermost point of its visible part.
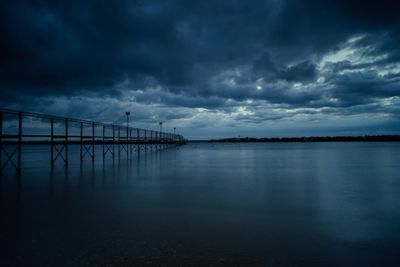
(366, 138)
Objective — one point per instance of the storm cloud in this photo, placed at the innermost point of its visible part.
(242, 66)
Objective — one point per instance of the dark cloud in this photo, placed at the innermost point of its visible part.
(51, 48)
(304, 71)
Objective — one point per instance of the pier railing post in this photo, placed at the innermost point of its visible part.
(138, 140)
(151, 140)
(104, 131)
(66, 142)
(19, 142)
(52, 141)
(119, 142)
(93, 141)
(130, 142)
(81, 142)
(145, 140)
(113, 142)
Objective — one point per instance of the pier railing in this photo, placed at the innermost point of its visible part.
(18, 128)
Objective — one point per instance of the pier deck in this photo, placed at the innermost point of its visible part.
(19, 128)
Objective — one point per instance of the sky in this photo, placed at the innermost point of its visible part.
(212, 69)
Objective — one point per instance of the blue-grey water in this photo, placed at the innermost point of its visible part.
(204, 204)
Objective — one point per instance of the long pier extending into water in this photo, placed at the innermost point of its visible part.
(18, 128)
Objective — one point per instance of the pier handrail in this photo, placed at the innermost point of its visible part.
(162, 135)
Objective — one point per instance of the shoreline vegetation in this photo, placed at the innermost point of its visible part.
(365, 138)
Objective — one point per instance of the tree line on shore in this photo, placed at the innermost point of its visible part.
(365, 138)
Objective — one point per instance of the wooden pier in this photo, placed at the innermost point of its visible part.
(19, 128)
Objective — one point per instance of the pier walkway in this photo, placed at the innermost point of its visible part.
(18, 128)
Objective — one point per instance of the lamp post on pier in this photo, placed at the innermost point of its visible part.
(127, 118)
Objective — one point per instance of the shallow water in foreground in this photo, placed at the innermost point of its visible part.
(272, 204)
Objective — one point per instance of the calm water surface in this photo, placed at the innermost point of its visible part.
(274, 204)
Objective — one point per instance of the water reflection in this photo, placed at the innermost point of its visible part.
(209, 204)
